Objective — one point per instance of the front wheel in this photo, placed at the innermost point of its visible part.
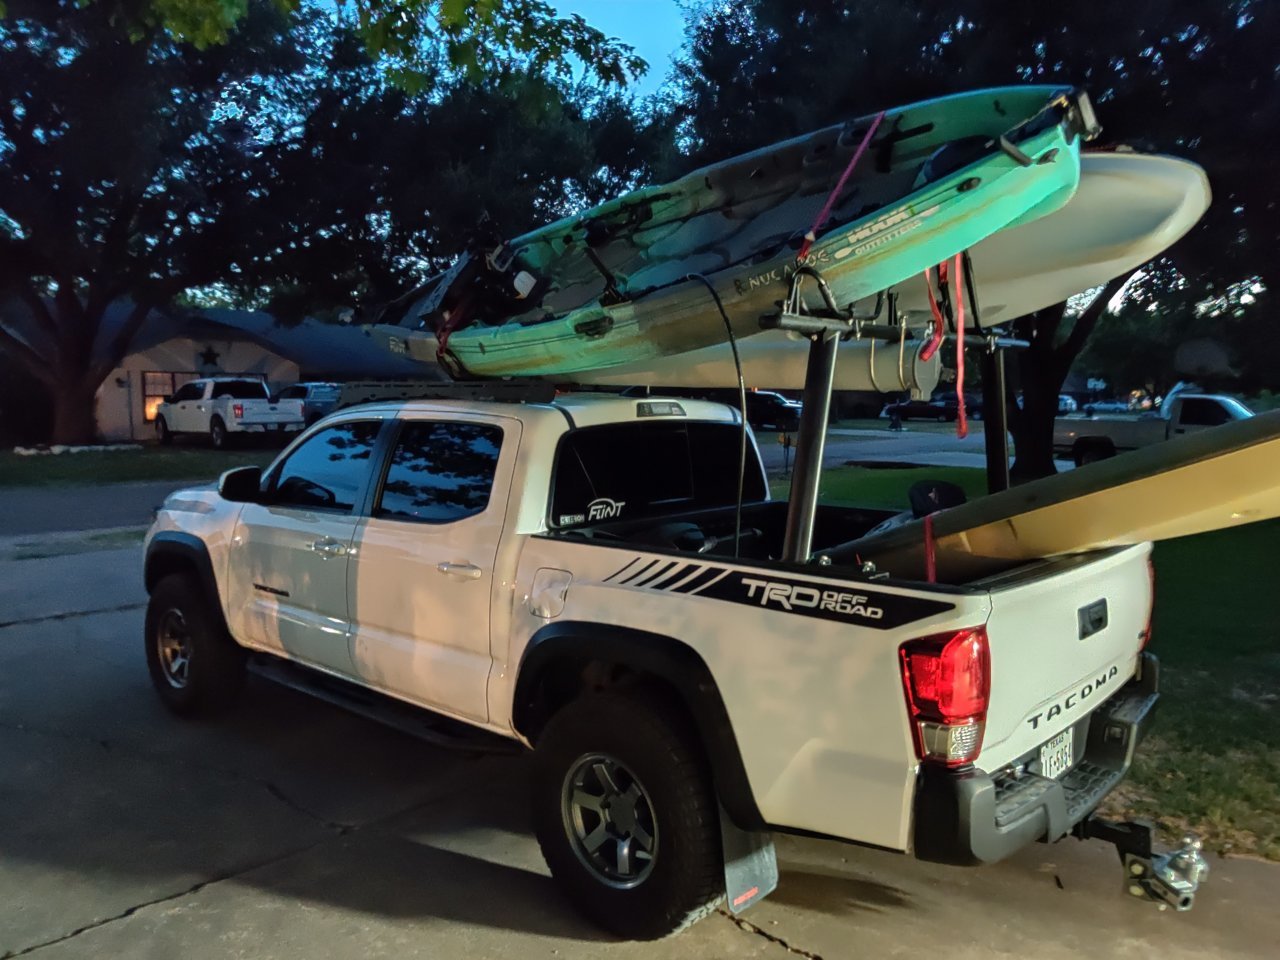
(195, 666)
(163, 435)
(625, 815)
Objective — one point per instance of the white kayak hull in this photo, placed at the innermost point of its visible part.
(1128, 209)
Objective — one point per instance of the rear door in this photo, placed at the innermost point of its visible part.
(1064, 637)
(421, 579)
(289, 555)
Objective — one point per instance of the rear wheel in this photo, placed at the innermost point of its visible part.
(195, 666)
(218, 433)
(625, 815)
(1092, 451)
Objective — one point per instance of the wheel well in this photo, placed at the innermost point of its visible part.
(166, 563)
(569, 660)
(1085, 445)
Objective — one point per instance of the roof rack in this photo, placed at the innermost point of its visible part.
(499, 391)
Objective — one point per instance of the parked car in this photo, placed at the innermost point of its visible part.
(218, 407)
(1092, 438)
(1067, 403)
(318, 399)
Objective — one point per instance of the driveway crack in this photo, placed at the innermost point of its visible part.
(74, 614)
(194, 888)
(749, 927)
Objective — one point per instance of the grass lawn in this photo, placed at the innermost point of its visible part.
(149, 463)
(1212, 762)
(885, 488)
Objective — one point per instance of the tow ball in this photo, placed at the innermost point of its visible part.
(1168, 879)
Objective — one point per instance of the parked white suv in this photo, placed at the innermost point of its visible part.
(217, 407)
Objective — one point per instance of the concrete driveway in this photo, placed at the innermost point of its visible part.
(291, 829)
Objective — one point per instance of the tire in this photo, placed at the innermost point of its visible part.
(195, 666)
(163, 434)
(218, 434)
(1087, 453)
(661, 789)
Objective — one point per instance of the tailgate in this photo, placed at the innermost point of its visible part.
(1064, 638)
(264, 411)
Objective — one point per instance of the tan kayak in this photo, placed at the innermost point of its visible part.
(1217, 478)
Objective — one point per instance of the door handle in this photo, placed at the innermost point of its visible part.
(328, 547)
(466, 571)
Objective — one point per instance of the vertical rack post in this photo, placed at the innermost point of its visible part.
(995, 419)
(811, 441)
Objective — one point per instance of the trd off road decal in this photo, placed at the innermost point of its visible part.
(844, 603)
(841, 602)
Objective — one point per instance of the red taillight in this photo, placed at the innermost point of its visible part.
(948, 685)
(237, 409)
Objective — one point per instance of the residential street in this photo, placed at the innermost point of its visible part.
(294, 829)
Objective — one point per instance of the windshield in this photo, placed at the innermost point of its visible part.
(240, 389)
(633, 470)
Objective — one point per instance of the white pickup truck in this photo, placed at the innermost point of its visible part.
(218, 407)
(570, 577)
(1091, 438)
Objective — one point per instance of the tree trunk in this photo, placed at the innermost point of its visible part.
(75, 418)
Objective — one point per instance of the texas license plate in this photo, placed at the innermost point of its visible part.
(1055, 756)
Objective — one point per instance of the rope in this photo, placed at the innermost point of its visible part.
(935, 340)
(812, 235)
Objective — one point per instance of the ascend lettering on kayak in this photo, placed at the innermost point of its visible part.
(781, 273)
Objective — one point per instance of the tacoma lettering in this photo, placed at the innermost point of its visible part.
(1074, 698)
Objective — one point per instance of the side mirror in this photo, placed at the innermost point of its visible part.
(241, 485)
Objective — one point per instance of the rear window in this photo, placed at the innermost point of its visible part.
(240, 390)
(635, 470)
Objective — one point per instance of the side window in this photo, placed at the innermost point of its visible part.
(189, 391)
(327, 471)
(291, 393)
(440, 472)
(1202, 413)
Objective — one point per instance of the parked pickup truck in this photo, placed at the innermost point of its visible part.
(571, 577)
(1092, 438)
(218, 407)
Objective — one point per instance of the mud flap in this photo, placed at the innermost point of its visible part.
(750, 864)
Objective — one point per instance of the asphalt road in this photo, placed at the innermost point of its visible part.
(30, 510)
(291, 829)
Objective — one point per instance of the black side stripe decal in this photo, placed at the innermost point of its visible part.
(649, 580)
(641, 572)
(668, 578)
(619, 573)
(701, 580)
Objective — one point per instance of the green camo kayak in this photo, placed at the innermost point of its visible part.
(611, 286)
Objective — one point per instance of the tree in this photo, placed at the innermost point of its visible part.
(1188, 78)
(125, 168)
(279, 169)
(420, 40)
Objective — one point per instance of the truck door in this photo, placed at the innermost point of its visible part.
(1194, 414)
(186, 418)
(421, 579)
(288, 560)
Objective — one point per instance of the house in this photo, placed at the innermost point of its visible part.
(171, 349)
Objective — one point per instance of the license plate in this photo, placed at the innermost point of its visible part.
(1055, 756)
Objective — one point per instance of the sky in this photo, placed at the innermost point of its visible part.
(654, 27)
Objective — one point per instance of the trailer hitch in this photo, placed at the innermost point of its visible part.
(1168, 879)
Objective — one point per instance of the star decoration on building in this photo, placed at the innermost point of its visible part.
(209, 357)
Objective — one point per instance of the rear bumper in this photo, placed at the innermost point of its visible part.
(287, 426)
(968, 816)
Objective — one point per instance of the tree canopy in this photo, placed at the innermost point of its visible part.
(278, 169)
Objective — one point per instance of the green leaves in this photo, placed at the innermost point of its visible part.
(419, 41)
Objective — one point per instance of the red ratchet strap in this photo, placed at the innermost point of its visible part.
(935, 340)
(812, 235)
(962, 420)
(930, 555)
